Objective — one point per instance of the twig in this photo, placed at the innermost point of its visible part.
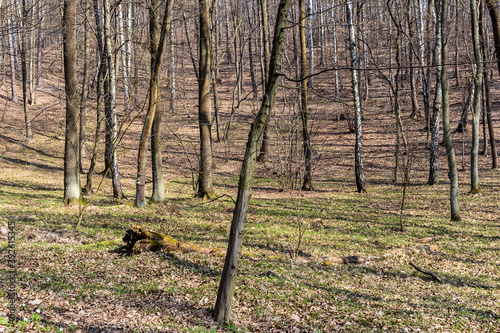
(434, 276)
(214, 199)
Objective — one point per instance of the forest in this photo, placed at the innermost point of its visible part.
(249, 166)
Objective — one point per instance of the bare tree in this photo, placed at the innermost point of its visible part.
(110, 105)
(222, 311)
(157, 45)
(358, 150)
(476, 104)
(442, 8)
(72, 188)
(307, 178)
(205, 185)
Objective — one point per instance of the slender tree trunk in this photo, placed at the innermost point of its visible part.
(265, 41)
(13, 79)
(495, 24)
(100, 78)
(24, 43)
(123, 40)
(486, 84)
(222, 311)
(450, 152)
(415, 113)
(335, 54)
(421, 52)
(436, 111)
(250, 50)
(84, 94)
(110, 105)
(157, 45)
(72, 188)
(40, 39)
(307, 178)
(172, 72)
(205, 186)
(358, 150)
(476, 104)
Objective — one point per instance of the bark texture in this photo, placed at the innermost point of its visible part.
(205, 185)
(72, 189)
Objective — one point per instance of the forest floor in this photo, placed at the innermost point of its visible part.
(74, 281)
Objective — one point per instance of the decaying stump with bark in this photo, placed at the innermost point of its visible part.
(138, 239)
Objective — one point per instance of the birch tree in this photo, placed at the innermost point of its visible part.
(358, 149)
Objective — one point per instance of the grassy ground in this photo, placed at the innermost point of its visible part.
(73, 281)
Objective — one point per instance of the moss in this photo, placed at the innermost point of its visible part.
(475, 190)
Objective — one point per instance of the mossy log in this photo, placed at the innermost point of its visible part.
(138, 239)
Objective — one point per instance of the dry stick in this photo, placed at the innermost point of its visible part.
(434, 276)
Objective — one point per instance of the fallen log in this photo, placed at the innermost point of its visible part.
(138, 239)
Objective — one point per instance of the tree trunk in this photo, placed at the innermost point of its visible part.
(265, 41)
(157, 45)
(13, 79)
(110, 105)
(495, 25)
(84, 94)
(358, 150)
(222, 311)
(476, 104)
(72, 188)
(100, 76)
(307, 178)
(436, 110)
(24, 44)
(486, 84)
(205, 186)
(450, 151)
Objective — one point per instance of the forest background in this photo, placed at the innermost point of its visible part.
(351, 182)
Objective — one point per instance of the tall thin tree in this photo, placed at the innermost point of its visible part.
(222, 311)
(72, 188)
(157, 47)
(476, 103)
(450, 151)
(205, 184)
(358, 149)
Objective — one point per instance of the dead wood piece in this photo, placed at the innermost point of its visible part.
(138, 239)
(434, 276)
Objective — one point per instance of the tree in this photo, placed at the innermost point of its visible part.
(157, 45)
(486, 85)
(476, 104)
(495, 25)
(24, 45)
(265, 60)
(110, 106)
(436, 110)
(450, 151)
(358, 149)
(222, 311)
(205, 185)
(307, 178)
(72, 188)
